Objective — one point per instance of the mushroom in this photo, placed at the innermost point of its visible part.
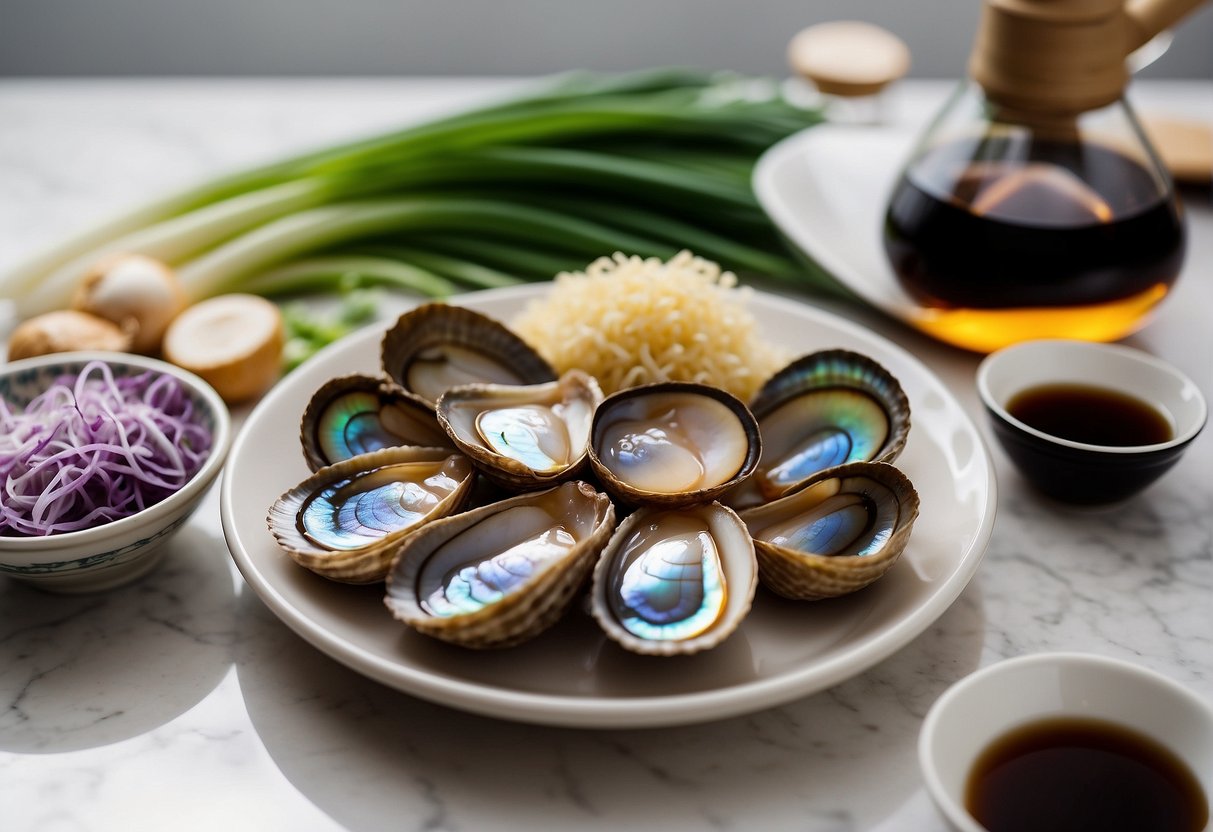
(234, 342)
(65, 331)
(137, 293)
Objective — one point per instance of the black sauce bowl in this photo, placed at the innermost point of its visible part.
(1076, 472)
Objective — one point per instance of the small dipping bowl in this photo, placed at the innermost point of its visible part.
(120, 551)
(986, 705)
(1076, 472)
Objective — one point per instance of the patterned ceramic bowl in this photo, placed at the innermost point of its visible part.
(120, 551)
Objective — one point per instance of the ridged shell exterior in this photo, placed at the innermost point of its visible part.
(368, 564)
(387, 392)
(629, 494)
(810, 577)
(740, 571)
(437, 324)
(507, 471)
(832, 369)
(520, 615)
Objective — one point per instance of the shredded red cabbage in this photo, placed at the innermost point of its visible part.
(93, 449)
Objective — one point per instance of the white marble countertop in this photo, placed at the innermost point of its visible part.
(182, 703)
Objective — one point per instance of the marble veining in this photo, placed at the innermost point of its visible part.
(182, 703)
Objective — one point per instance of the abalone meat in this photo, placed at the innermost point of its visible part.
(524, 437)
(672, 443)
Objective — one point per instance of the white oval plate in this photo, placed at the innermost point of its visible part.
(572, 675)
(826, 190)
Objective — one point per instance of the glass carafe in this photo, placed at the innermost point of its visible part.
(1009, 225)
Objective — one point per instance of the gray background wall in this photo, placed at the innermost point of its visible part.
(468, 37)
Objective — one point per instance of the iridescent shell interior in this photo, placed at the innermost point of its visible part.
(675, 581)
(836, 533)
(827, 409)
(358, 414)
(336, 520)
(367, 506)
(502, 573)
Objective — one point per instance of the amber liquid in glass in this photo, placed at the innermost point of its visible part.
(1078, 241)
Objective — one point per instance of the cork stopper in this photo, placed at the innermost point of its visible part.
(848, 58)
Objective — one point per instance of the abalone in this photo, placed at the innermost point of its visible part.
(672, 443)
(337, 521)
(675, 581)
(837, 532)
(436, 347)
(523, 437)
(357, 414)
(501, 574)
(824, 409)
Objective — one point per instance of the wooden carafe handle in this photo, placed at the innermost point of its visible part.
(1149, 17)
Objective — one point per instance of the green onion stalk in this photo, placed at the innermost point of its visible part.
(646, 163)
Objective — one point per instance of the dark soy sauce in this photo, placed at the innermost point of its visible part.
(1092, 415)
(1083, 775)
(1078, 225)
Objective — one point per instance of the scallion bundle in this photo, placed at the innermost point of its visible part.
(648, 163)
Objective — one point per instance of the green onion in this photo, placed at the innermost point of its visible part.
(529, 261)
(645, 163)
(464, 271)
(307, 330)
(323, 274)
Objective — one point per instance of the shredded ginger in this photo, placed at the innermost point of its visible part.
(629, 321)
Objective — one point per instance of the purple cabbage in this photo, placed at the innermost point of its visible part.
(93, 449)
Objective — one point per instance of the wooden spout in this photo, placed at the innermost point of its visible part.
(1063, 57)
